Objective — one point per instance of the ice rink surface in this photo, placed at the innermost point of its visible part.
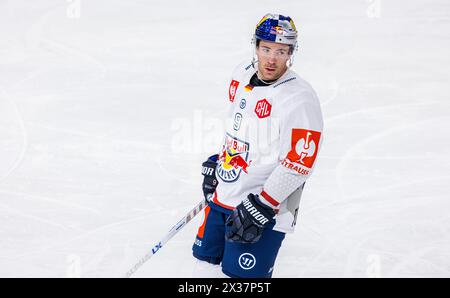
(108, 108)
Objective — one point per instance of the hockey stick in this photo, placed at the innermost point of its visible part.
(174, 230)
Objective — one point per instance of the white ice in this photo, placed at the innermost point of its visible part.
(108, 108)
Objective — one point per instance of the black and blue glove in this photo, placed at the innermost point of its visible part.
(210, 182)
(248, 220)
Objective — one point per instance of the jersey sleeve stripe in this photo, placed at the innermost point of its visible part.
(269, 199)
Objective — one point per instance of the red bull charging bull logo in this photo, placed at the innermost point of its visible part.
(233, 159)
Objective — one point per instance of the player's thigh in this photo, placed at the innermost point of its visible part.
(252, 260)
(210, 238)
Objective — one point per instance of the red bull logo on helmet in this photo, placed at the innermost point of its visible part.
(233, 159)
(277, 30)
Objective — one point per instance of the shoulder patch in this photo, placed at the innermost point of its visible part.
(232, 89)
(305, 144)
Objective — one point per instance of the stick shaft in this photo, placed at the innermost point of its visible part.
(172, 232)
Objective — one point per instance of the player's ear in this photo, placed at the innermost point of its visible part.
(291, 50)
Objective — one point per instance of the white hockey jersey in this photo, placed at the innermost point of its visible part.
(271, 141)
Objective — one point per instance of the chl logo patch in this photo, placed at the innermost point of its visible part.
(305, 144)
(232, 90)
(247, 261)
(263, 108)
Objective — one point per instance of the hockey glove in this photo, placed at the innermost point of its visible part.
(209, 177)
(246, 223)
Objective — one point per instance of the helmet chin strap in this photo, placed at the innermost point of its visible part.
(254, 60)
(290, 62)
(265, 82)
(259, 77)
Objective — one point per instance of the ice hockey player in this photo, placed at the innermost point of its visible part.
(254, 182)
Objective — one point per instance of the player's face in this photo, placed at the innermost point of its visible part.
(272, 58)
